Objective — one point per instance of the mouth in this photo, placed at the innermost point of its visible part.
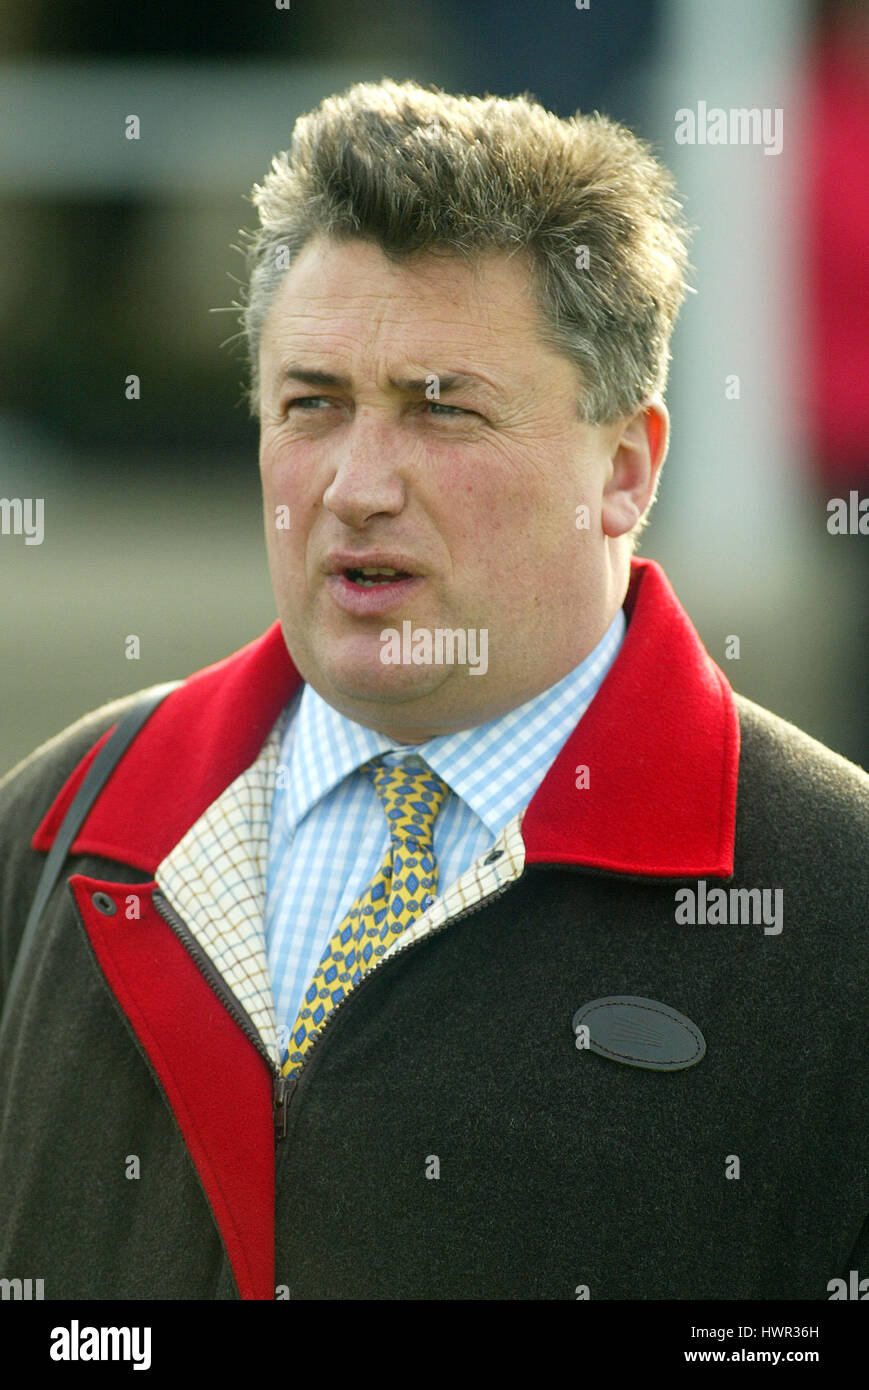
(375, 575)
(371, 590)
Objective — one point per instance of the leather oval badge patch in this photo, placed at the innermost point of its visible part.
(639, 1032)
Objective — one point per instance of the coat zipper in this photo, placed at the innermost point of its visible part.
(293, 1081)
(234, 1008)
(284, 1087)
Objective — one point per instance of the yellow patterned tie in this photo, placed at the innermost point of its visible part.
(399, 893)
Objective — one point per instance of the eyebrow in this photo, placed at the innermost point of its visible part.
(447, 381)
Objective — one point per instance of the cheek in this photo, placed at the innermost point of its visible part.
(515, 546)
(278, 471)
(474, 490)
(288, 496)
(497, 509)
(284, 512)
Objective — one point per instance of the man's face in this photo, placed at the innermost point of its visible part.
(471, 489)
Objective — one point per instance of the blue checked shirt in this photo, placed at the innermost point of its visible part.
(328, 834)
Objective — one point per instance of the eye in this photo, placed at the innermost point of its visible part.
(307, 402)
(452, 409)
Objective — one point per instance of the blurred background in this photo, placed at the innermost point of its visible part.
(115, 252)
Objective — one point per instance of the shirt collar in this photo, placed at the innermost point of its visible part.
(494, 767)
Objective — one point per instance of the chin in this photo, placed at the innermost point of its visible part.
(385, 685)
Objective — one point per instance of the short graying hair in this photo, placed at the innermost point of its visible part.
(418, 171)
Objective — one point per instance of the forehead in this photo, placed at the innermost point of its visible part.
(350, 299)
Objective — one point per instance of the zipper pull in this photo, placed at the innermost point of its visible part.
(284, 1086)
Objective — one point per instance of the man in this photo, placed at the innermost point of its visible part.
(465, 936)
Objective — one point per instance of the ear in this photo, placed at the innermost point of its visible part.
(639, 450)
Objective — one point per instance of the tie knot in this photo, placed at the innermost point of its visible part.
(411, 798)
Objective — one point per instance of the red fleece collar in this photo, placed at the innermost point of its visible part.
(660, 742)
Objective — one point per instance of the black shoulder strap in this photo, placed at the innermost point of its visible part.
(97, 775)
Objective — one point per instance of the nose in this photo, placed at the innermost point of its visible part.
(367, 480)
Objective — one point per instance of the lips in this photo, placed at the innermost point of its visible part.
(375, 575)
(358, 561)
(371, 600)
(371, 583)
